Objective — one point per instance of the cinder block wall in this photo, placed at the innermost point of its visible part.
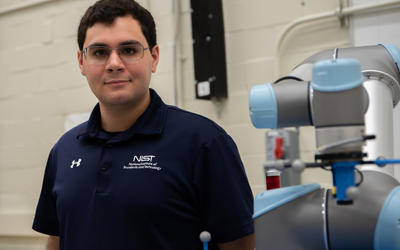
(41, 85)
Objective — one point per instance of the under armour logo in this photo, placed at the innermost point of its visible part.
(76, 163)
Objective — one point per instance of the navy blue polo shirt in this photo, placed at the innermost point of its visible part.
(157, 185)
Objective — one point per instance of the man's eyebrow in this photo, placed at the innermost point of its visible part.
(129, 42)
(98, 44)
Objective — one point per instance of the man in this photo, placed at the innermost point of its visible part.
(139, 174)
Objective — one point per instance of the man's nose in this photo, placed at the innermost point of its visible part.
(114, 62)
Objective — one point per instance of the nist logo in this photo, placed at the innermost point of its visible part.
(142, 163)
(143, 158)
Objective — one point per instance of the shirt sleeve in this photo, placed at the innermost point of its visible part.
(45, 220)
(226, 199)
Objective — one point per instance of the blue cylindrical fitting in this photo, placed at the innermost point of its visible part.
(336, 75)
(394, 51)
(263, 106)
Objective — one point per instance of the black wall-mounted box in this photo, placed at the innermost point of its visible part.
(209, 49)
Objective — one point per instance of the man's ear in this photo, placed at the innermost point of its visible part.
(80, 61)
(155, 54)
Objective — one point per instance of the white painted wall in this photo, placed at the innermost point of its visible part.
(376, 28)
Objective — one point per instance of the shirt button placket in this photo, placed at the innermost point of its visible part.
(103, 175)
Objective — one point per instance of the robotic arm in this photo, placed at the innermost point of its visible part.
(336, 91)
(330, 95)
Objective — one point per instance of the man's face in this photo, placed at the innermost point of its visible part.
(116, 83)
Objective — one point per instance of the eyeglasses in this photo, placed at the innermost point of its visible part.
(99, 54)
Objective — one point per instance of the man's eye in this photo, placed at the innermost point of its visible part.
(98, 52)
(129, 51)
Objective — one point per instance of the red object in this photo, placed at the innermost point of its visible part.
(278, 151)
(273, 179)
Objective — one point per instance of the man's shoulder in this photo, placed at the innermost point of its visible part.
(191, 121)
(72, 135)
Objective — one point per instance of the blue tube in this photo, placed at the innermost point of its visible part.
(381, 162)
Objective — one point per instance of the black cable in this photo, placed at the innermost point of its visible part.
(327, 168)
(369, 137)
(288, 78)
(318, 165)
(361, 177)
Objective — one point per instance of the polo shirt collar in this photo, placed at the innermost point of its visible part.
(151, 122)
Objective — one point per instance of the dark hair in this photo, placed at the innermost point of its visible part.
(105, 11)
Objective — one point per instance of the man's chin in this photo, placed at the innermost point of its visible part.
(122, 101)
